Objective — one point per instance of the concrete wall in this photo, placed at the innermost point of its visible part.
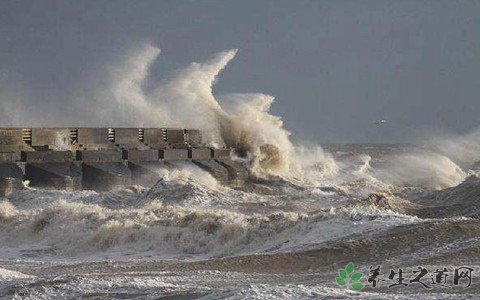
(221, 153)
(135, 155)
(176, 138)
(173, 154)
(88, 136)
(11, 137)
(17, 139)
(12, 143)
(126, 136)
(102, 158)
(51, 137)
(99, 156)
(9, 156)
(47, 156)
(194, 137)
(199, 153)
(64, 176)
(155, 137)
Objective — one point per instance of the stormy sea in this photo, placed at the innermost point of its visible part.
(325, 221)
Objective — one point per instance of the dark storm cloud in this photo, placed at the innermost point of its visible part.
(334, 66)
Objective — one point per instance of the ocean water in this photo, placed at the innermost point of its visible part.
(305, 212)
(189, 237)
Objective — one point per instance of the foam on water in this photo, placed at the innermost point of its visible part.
(301, 197)
(85, 226)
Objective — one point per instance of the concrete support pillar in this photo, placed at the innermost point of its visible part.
(104, 176)
(11, 178)
(104, 170)
(52, 169)
(218, 171)
(237, 174)
(147, 173)
(61, 176)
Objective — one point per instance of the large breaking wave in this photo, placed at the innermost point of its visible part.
(127, 97)
(186, 100)
(297, 189)
(305, 207)
(244, 122)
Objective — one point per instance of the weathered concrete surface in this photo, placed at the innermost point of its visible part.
(135, 155)
(144, 165)
(173, 154)
(11, 178)
(155, 137)
(218, 171)
(52, 138)
(87, 136)
(176, 138)
(220, 153)
(65, 176)
(11, 136)
(104, 176)
(237, 173)
(9, 157)
(103, 158)
(47, 156)
(147, 173)
(199, 153)
(193, 137)
(103, 170)
(113, 155)
(12, 140)
(127, 137)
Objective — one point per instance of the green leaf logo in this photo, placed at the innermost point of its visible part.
(349, 278)
(357, 286)
(349, 268)
(356, 276)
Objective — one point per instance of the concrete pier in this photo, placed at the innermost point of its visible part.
(104, 158)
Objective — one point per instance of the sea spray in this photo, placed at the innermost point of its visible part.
(463, 149)
(254, 132)
(186, 100)
(244, 122)
(421, 168)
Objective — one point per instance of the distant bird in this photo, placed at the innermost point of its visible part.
(380, 122)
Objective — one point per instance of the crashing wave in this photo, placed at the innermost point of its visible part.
(459, 201)
(387, 202)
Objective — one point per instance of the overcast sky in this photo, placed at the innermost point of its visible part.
(334, 66)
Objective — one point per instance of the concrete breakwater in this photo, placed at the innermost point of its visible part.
(104, 158)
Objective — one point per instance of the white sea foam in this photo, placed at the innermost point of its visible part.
(180, 217)
(421, 168)
(8, 275)
(463, 149)
(307, 196)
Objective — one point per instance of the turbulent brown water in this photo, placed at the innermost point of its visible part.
(189, 237)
